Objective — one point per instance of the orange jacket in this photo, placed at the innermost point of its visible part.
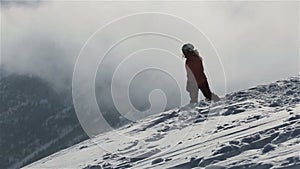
(194, 69)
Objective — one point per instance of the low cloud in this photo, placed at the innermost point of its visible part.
(257, 41)
(20, 3)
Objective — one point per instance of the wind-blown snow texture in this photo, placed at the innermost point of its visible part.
(254, 128)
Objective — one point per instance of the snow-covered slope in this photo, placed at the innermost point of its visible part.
(254, 128)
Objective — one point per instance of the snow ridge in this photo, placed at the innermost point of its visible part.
(254, 128)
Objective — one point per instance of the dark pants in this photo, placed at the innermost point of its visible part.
(194, 88)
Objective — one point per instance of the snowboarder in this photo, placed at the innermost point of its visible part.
(196, 78)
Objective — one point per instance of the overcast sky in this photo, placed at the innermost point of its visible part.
(257, 42)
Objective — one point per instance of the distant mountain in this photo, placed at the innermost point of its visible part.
(257, 128)
(2, 72)
(35, 121)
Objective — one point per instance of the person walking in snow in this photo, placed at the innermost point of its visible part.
(196, 78)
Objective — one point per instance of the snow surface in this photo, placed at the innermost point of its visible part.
(254, 128)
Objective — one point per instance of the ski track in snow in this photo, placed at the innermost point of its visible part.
(254, 128)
